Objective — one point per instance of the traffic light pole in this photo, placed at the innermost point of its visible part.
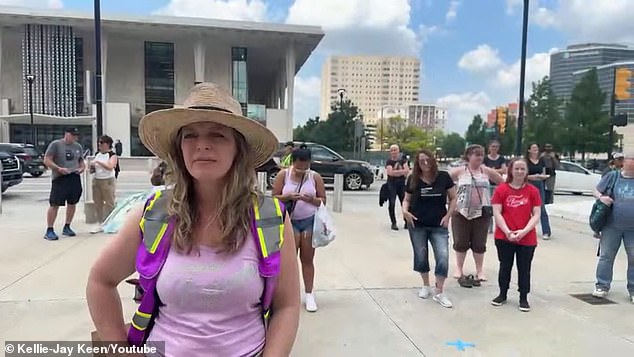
(612, 110)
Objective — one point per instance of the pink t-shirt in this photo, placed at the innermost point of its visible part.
(211, 304)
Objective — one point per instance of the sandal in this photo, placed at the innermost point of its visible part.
(474, 281)
(465, 282)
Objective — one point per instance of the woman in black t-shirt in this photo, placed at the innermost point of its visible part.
(425, 209)
(536, 177)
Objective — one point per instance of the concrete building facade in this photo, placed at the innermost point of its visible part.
(581, 57)
(148, 63)
(370, 82)
(428, 117)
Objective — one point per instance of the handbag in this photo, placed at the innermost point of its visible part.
(487, 211)
(290, 205)
(600, 211)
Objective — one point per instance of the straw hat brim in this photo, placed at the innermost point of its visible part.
(158, 130)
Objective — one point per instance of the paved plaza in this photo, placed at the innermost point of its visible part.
(365, 288)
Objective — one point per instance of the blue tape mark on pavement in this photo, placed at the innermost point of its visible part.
(460, 344)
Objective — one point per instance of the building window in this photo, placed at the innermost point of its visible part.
(80, 96)
(239, 82)
(159, 76)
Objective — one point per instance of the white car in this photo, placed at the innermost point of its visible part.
(574, 178)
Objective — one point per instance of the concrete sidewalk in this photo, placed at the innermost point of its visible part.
(365, 288)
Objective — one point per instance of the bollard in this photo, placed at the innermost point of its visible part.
(262, 181)
(338, 194)
(1, 168)
(89, 205)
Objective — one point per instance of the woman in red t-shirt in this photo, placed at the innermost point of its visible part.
(516, 208)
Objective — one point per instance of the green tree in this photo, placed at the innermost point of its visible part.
(453, 145)
(336, 132)
(586, 126)
(476, 132)
(543, 118)
(410, 139)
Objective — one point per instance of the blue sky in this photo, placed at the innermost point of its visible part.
(469, 49)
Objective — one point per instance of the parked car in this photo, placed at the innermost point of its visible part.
(574, 178)
(271, 167)
(31, 161)
(356, 174)
(11, 170)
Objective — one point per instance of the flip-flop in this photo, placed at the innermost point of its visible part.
(465, 282)
(480, 279)
(473, 280)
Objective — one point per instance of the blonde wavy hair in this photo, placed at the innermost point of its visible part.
(236, 198)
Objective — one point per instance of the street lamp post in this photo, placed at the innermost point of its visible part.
(520, 114)
(341, 92)
(30, 78)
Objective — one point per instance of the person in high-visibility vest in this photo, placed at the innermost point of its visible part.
(287, 160)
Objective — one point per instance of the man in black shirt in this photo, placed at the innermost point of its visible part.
(397, 170)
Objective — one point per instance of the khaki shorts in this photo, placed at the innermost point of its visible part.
(469, 233)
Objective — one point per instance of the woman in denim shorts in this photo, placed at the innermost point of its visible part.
(303, 191)
(425, 209)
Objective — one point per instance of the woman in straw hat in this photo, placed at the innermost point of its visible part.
(209, 286)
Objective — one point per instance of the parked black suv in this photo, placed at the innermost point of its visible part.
(356, 174)
(31, 161)
(11, 170)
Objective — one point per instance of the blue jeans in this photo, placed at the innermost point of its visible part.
(303, 225)
(439, 239)
(609, 245)
(543, 219)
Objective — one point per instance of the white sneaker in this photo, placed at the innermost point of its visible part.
(97, 229)
(600, 293)
(311, 305)
(546, 236)
(424, 292)
(443, 300)
(632, 299)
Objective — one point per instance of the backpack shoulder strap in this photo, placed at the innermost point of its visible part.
(156, 228)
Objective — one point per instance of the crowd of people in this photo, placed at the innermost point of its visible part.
(217, 258)
(490, 194)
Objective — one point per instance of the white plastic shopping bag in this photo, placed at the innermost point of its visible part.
(324, 228)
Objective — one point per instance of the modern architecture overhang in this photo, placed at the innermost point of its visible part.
(610, 65)
(270, 36)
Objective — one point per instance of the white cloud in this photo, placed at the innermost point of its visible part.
(482, 59)
(462, 107)
(511, 5)
(543, 17)
(537, 66)
(51, 4)
(452, 12)
(245, 10)
(359, 26)
(596, 21)
(306, 103)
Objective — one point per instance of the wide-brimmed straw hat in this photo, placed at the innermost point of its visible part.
(207, 102)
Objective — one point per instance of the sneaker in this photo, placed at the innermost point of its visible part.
(311, 305)
(546, 236)
(68, 232)
(50, 235)
(394, 227)
(499, 300)
(424, 292)
(443, 300)
(97, 229)
(600, 293)
(632, 299)
(524, 306)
